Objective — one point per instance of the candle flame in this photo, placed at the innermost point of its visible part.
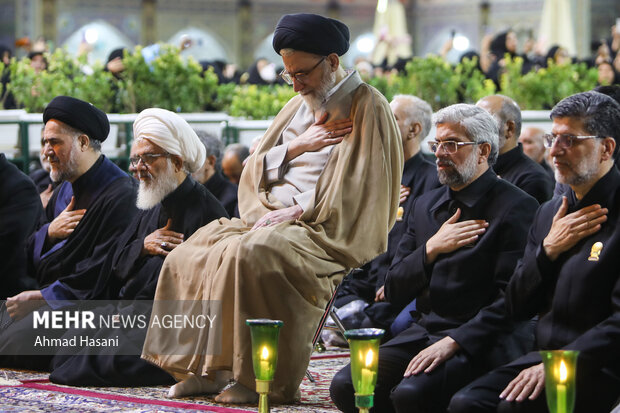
(370, 356)
(563, 372)
(265, 353)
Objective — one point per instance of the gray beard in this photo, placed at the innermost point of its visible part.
(461, 175)
(151, 194)
(585, 171)
(67, 171)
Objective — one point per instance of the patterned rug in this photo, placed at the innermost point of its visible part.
(32, 391)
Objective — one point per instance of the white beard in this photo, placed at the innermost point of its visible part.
(316, 99)
(152, 193)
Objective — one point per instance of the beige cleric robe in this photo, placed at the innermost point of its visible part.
(287, 271)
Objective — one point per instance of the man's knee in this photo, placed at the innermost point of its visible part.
(463, 402)
(410, 396)
(341, 390)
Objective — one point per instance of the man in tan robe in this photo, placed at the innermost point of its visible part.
(316, 199)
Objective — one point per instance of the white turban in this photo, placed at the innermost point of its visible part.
(172, 133)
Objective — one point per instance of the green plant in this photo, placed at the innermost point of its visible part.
(167, 82)
(472, 84)
(259, 102)
(546, 87)
(64, 75)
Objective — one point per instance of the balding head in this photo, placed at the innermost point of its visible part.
(414, 119)
(533, 145)
(508, 117)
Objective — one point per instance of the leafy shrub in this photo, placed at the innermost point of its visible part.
(64, 76)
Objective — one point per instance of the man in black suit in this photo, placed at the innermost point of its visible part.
(414, 119)
(512, 164)
(210, 174)
(462, 243)
(20, 209)
(569, 272)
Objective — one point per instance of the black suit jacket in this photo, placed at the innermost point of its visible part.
(225, 191)
(577, 296)
(466, 286)
(20, 208)
(521, 171)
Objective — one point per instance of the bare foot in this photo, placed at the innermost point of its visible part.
(200, 385)
(237, 393)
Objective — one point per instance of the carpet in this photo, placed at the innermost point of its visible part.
(32, 391)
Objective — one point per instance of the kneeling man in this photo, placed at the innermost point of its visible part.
(569, 272)
(462, 243)
(172, 206)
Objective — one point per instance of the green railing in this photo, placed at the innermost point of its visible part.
(18, 148)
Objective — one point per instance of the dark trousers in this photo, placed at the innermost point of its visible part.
(596, 392)
(422, 393)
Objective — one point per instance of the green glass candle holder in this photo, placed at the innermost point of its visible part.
(264, 334)
(364, 346)
(560, 387)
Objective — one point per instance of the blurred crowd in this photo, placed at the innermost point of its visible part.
(491, 56)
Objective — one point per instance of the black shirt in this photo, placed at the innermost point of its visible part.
(521, 171)
(578, 295)
(465, 286)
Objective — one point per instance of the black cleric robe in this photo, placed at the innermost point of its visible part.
(69, 268)
(521, 171)
(134, 277)
(20, 208)
(225, 191)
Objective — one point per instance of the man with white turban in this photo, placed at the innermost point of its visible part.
(317, 197)
(172, 205)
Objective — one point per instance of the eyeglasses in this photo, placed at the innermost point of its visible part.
(146, 158)
(565, 141)
(299, 76)
(448, 146)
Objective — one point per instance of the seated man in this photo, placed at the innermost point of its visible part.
(20, 209)
(413, 116)
(512, 164)
(569, 272)
(234, 160)
(210, 174)
(86, 214)
(172, 206)
(462, 243)
(316, 199)
(533, 144)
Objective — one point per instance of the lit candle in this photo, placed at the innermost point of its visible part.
(367, 374)
(561, 388)
(264, 360)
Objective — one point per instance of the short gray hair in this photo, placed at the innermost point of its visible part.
(479, 125)
(239, 149)
(417, 110)
(213, 145)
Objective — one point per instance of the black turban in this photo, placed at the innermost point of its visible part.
(80, 115)
(311, 33)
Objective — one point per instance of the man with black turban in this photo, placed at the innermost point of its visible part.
(172, 206)
(316, 198)
(86, 213)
